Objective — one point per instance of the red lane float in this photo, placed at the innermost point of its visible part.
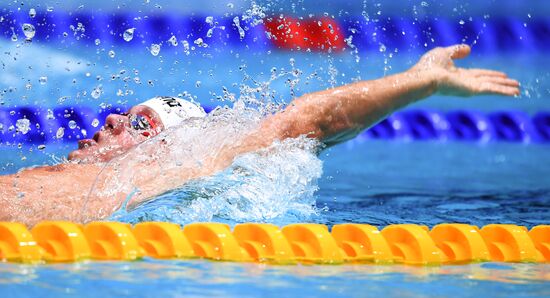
(320, 34)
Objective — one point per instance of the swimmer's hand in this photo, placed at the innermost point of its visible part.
(452, 80)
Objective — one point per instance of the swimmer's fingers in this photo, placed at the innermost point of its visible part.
(488, 87)
(501, 81)
(479, 72)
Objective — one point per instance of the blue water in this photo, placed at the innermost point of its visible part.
(219, 279)
(372, 182)
(375, 182)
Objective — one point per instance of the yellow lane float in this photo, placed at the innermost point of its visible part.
(60, 241)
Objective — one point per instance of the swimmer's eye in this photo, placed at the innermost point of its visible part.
(141, 123)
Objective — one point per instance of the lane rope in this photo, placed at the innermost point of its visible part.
(324, 34)
(410, 244)
(69, 124)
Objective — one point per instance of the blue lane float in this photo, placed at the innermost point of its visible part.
(542, 125)
(488, 35)
(513, 126)
(470, 126)
(31, 125)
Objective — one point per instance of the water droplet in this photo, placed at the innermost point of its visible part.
(32, 12)
(41, 147)
(155, 49)
(200, 42)
(97, 91)
(210, 32)
(50, 115)
(173, 41)
(95, 122)
(461, 22)
(238, 25)
(49, 8)
(14, 37)
(186, 47)
(72, 124)
(112, 54)
(230, 5)
(128, 34)
(382, 48)
(209, 20)
(60, 132)
(198, 84)
(43, 80)
(424, 4)
(97, 41)
(23, 125)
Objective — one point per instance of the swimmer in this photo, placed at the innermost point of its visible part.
(331, 116)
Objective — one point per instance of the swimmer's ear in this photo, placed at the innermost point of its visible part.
(459, 51)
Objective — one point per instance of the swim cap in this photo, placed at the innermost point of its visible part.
(172, 110)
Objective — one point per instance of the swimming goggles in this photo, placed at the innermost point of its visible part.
(141, 123)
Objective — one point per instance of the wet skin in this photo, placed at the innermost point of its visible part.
(116, 137)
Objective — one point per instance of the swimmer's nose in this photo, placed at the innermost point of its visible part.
(116, 123)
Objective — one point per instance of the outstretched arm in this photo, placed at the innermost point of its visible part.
(338, 114)
(332, 116)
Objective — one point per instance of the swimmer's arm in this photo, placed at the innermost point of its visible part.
(338, 114)
(49, 193)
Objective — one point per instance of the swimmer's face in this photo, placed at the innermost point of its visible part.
(120, 133)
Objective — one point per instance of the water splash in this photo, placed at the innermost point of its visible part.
(214, 168)
(276, 185)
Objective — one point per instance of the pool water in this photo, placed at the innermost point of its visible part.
(220, 279)
(360, 181)
(375, 182)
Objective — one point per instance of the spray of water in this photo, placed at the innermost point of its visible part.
(215, 168)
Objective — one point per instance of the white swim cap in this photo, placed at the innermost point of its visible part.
(172, 110)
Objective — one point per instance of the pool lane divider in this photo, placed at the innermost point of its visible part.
(283, 32)
(410, 244)
(69, 124)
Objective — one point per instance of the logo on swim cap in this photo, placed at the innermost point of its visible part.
(173, 110)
